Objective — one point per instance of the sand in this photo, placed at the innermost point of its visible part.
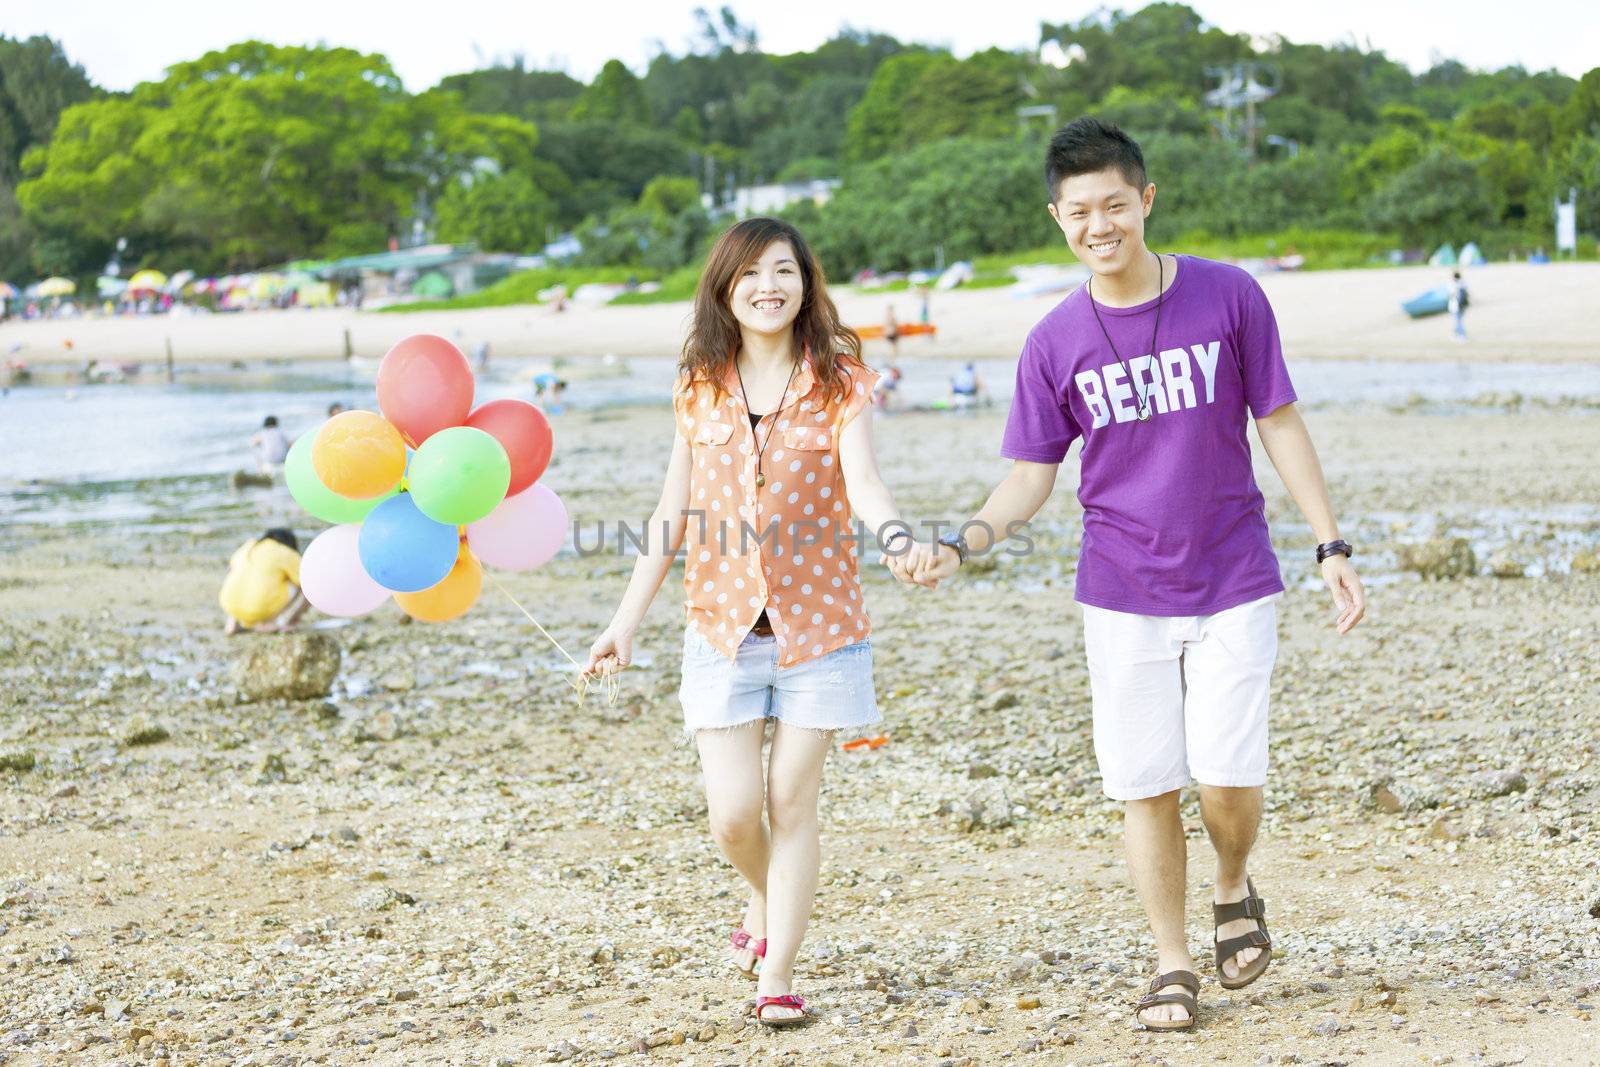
(1519, 312)
(452, 862)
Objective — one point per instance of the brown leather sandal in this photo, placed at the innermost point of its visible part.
(1188, 980)
(1251, 907)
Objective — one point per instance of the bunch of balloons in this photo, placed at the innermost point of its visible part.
(425, 493)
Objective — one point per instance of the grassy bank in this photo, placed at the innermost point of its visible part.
(1322, 249)
(525, 286)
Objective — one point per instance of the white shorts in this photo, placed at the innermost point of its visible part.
(1183, 697)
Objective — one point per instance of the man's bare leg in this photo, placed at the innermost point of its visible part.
(1232, 816)
(1157, 857)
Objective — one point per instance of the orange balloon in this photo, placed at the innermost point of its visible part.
(359, 454)
(452, 597)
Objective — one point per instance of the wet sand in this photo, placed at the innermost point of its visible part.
(1519, 312)
(456, 863)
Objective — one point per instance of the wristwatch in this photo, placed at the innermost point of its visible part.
(959, 543)
(1334, 548)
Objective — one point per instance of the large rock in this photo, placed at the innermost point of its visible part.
(287, 667)
(1439, 558)
(986, 807)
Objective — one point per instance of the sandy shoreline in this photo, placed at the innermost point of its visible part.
(452, 862)
(1519, 313)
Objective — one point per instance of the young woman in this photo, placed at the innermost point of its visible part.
(769, 461)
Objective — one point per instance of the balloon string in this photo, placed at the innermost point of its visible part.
(612, 683)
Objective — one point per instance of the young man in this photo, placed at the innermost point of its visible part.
(1157, 363)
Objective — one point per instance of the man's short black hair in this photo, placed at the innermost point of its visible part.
(283, 537)
(269, 422)
(1086, 145)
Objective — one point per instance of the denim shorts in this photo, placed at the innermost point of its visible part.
(831, 692)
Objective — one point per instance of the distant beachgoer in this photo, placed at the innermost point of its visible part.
(547, 392)
(262, 589)
(924, 295)
(270, 445)
(883, 394)
(965, 387)
(335, 408)
(480, 354)
(1458, 305)
(891, 331)
(558, 299)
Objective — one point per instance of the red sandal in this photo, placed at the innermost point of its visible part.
(741, 939)
(788, 1000)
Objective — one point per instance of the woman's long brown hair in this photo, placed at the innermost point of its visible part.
(713, 341)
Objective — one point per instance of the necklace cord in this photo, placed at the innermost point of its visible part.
(782, 402)
(1161, 299)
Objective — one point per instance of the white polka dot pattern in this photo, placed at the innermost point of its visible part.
(788, 536)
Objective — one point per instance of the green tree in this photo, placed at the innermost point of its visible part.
(1159, 48)
(1441, 197)
(497, 212)
(876, 126)
(258, 154)
(37, 82)
(987, 196)
(512, 89)
(614, 96)
(916, 97)
(812, 126)
(1580, 115)
(608, 165)
(665, 197)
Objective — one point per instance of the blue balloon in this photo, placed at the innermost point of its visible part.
(404, 550)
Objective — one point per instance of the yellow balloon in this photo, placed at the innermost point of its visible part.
(452, 597)
(359, 454)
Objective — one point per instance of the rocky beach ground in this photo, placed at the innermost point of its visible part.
(451, 860)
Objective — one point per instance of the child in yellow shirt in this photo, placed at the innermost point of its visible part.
(262, 590)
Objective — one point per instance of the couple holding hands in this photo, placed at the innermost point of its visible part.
(1157, 364)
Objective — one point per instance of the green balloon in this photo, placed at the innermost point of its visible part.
(309, 492)
(459, 475)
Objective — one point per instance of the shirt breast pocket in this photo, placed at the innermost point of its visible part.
(714, 434)
(808, 438)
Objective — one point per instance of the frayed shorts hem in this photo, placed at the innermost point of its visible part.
(691, 730)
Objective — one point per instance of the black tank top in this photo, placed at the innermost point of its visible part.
(762, 624)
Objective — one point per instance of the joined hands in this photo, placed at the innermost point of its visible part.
(921, 564)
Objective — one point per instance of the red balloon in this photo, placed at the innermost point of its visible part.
(522, 430)
(424, 386)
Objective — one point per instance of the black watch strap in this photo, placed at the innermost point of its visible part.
(959, 543)
(1334, 548)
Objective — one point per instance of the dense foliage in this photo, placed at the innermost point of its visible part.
(260, 154)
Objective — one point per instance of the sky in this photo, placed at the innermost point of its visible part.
(120, 45)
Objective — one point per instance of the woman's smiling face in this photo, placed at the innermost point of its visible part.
(767, 294)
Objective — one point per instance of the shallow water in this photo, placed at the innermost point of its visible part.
(158, 455)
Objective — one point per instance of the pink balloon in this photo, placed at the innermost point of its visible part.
(332, 577)
(523, 532)
(424, 386)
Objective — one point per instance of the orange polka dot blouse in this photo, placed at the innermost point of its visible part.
(787, 547)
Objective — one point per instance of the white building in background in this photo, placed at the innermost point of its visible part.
(765, 199)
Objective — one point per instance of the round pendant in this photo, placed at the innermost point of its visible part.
(761, 479)
(1144, 414)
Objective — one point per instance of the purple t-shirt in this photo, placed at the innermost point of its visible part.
(1173, 523)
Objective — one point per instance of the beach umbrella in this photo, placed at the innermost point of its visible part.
(432, 284)
(317, 294)
(56, 287)
(147, 281)
(179, 280)
(110, 286)
(7, 291)
(266, 286)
